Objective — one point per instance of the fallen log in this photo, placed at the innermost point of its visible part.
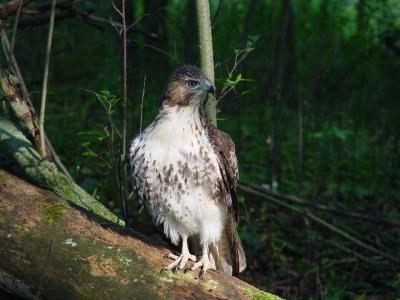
(52, 250)
(18, 151)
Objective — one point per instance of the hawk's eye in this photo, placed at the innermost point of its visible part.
(192, 84)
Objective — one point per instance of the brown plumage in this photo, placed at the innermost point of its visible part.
(185, 171)
(224, 148)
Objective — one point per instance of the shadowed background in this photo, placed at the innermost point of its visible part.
(315, 114)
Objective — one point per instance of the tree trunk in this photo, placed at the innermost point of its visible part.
(55, 251)
(206, 54)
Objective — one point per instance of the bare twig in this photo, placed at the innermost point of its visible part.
(321, 222)
(122, 174)
(142, 103)
(124, 113)
(85, 15)
(157, 49)
(97, 19)
(45, 80)
(11, 8)
(321, 207)
(117, 10)
(55, 157)
(300, 142)
(124, 126)
(14, 35)
(125, 78)
(356, 254)
(216, 14)
(137, 21)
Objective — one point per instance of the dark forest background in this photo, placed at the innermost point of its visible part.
(314, 113)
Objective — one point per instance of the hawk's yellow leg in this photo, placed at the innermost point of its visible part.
(204, 262)
(181, 260)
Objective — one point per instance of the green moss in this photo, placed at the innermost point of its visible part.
(260, 295)
(45, 174)
(54, 212)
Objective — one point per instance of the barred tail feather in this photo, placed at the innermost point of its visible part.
(229, 255)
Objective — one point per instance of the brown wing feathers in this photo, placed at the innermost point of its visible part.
(224, 148)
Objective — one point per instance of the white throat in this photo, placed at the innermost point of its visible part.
(175, 123)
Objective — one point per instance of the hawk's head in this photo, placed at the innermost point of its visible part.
(187, 86)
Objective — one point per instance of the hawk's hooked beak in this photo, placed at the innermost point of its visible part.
(209, 88)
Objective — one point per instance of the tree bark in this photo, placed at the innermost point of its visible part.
(206, 54)
(25, 116)
(55, 251)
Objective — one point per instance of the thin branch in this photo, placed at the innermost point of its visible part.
(321, 207)
(216, 14)
(98, 19)
(90, 19)
(142, 103)
(44, 19)
(137, 21)
(11, 8)
(56, 158)
(175, 59)
(124, 112)
(320, 221)
(14, 35)
(355, 253)
(60, 4)
(125, 79)
(117, 10)
(45, 80)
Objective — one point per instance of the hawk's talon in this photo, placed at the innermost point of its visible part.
(204, 263)
(171, 256)
(179, 262)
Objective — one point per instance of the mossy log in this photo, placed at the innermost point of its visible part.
(51, 250)
(22, 156)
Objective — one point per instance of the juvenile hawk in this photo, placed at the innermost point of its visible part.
(185, 171)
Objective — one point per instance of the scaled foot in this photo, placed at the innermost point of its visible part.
(179, 262)
(204, 263)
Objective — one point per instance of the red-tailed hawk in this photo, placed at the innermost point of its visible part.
(185, 171)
